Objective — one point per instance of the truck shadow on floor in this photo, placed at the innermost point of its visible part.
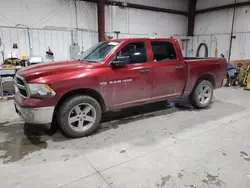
(18, 140)
(112, 120)
(24, 139)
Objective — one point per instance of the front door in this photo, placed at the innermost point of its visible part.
(132, 84)
(169, 72)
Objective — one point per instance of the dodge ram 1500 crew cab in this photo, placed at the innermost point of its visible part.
(113, 75)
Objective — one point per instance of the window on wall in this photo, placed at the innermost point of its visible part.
(136, 52)
(163, 51)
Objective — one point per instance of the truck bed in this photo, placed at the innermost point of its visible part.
(196, 67)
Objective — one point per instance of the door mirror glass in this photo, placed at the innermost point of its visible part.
(120, 61)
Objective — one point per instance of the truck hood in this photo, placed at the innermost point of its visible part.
(52, 68)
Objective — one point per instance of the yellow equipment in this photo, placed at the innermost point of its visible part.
(248, 82)
(247, 78)
(8, 67)
(216, 49)
(242, 73)
(24, 57)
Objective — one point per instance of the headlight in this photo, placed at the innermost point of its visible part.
(41, 90)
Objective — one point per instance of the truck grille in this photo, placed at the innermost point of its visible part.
(19, 81)
(21, 85)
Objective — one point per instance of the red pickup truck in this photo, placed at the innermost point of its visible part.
(113, 75)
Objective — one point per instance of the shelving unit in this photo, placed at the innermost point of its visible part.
(7, 82)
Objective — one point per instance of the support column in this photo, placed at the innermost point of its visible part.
(191, 17)
(101, 19)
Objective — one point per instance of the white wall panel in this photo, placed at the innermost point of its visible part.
(87, 15)
(177, 24)
(116, 19)
(86, 39)
(240, 47)
(35, 13)
(51, 21)
(242, 19)
(57, 40)
(109, 19)
(120, 18)
(247, 47)
(213, 22)
(142, 22)
(203, 4)
(40, 39)
(219, 24)
(150, 22)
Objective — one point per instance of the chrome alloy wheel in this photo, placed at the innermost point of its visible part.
(82, 117)
(205, 95)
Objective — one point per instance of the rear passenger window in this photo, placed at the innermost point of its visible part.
(136, 51)
(163, 51)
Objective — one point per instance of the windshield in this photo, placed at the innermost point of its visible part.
(98, 52)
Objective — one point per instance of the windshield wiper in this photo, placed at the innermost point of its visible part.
(89, 61)
(76, 59)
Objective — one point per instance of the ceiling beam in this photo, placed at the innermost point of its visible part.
(101, 19)
(191, 17)
(234, 5)
(142, 7)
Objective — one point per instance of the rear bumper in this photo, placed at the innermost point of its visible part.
(43, 115)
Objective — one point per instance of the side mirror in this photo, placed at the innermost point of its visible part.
(120, 61)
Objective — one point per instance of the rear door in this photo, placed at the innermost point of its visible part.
(132, 83)
(168, 71)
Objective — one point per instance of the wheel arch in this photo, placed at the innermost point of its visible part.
(208, 77)
(84, 91)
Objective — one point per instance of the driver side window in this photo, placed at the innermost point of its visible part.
(135, 51)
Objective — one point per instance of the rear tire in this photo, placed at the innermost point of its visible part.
(236, 83)
(79, 116)
(202, 95)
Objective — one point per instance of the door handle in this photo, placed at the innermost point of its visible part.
(144, 71)
(179, 67)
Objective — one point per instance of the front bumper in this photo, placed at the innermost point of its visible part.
(43, 115)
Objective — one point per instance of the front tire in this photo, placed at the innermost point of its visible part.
(79, 116)
(202, 94)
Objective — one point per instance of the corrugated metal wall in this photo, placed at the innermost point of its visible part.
(57, 40)
(216, 26)
(52, 22)
(141, 22)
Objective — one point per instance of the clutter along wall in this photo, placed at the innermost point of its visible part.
(36, 25)
(215, 28)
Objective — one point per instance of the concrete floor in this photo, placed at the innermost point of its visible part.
(158, 147)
